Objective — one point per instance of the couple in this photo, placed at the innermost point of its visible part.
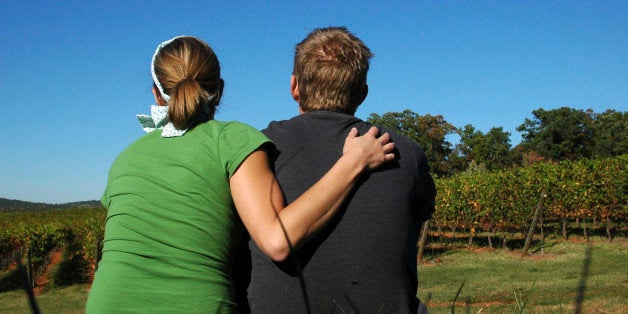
(182, 199)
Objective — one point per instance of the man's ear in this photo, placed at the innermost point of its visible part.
(221, 89)
(364, 93)
(158, 99)
(294, 89)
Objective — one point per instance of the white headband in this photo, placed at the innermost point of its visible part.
(152, 69)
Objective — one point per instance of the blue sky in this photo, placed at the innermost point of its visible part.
(73, 74)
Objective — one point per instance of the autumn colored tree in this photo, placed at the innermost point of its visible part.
(427, 130)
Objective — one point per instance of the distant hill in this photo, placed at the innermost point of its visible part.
(7, 205)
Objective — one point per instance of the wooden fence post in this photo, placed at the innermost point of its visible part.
(608, 229)
(424, 232)
(29, 269)
(537, 215)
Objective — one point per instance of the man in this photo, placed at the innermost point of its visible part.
(364, 260)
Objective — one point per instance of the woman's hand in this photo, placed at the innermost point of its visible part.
(367, 149)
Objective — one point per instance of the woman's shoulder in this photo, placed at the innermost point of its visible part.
(218, 128)
(230, 125)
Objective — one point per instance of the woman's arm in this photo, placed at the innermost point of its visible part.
(260, 204)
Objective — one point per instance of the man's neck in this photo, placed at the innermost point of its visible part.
(303, 112)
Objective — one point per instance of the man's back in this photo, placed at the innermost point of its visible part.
(359, 261)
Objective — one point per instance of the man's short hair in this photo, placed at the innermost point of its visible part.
(330, 66)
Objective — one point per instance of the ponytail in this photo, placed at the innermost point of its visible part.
(186, 101)
(187, 73)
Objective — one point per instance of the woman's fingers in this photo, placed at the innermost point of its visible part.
(385, 138)
(353, 133)
(389, 148)
(373, 131)
(373, 150)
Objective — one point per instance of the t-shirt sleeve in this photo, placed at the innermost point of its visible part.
(105, 200)
(236, 142)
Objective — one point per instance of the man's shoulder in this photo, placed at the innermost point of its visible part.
(397, 138)
(278, 124)
(281, 126)
(305, 123)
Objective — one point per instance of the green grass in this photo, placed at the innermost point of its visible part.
(495, 281)
(501, 281)
(69, 300)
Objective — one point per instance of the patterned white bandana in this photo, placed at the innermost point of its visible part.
(165, 96)
(158, 119)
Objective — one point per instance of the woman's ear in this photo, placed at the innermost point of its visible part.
(294, 89)
(158, 99)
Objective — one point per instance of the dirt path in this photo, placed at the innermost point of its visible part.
(44, 279)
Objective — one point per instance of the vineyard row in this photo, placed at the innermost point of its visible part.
(494, 202)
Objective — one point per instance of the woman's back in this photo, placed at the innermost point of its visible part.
(173, 251)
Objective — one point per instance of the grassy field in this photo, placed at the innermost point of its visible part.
(557, 277)
(55, 300)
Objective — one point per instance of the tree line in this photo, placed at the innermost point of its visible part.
(549, 136)
(10, 205)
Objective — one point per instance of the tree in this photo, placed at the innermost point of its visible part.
(611, 134)
(428, 131)
(492, 149)
(559, 134)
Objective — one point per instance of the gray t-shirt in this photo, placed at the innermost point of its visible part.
(364, 260)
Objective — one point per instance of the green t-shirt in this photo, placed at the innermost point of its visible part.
(172, 228)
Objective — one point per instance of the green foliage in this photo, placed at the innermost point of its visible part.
(559, 134)
(74, 265)
(611, 134)
(551, 135)
(79, 230)
(492, 149)
(38, 239)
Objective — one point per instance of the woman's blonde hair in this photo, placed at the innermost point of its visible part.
(189, 73)
(330, 66)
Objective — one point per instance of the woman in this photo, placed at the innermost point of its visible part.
(180, 197)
